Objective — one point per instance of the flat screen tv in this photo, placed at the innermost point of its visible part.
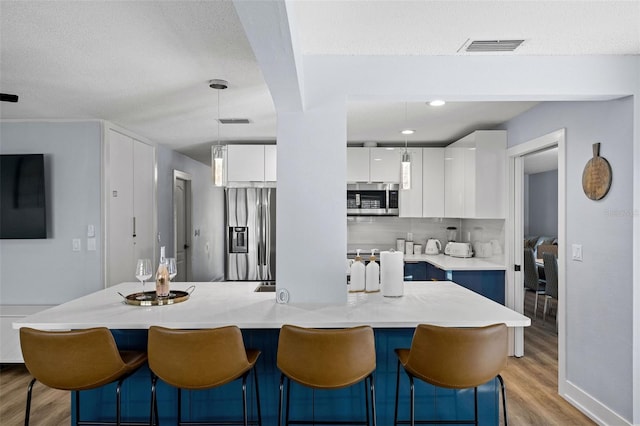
(22, 197)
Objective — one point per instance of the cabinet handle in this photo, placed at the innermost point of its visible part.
(134, 227)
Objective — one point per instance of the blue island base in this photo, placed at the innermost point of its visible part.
(225, 403)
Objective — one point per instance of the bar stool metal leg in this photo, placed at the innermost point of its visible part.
(504, 399)
(28, 409)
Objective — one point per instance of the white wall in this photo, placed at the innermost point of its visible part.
(382, 232)
(207, 249)
(599, 314)
(47, 271)
(543, 204)
(310, 224)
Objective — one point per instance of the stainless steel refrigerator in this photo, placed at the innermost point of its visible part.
(250, 234)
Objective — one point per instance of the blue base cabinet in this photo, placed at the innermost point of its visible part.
(487, 283)
(348, 403)
(415, 271)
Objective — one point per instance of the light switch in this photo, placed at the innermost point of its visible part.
(576, 252)
(91, 231)
(75, 244)
(91, 244)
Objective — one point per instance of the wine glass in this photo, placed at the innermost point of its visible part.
(143, 272)
(172, 268)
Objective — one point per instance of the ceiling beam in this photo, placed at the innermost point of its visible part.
(270, 29)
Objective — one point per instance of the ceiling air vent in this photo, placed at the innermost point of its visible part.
(481, 46)
(234, 121)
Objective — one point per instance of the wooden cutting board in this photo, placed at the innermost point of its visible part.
(596, 177)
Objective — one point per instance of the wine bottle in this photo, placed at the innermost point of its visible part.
(162, 276)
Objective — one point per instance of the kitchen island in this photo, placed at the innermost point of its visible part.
(260, 318)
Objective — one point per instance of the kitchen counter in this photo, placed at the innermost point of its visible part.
(448, 263)
(214, 304)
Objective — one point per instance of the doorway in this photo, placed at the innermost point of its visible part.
(515, 235)
(182, 224)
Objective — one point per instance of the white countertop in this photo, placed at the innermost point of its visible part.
(448, 263)
(215, 304)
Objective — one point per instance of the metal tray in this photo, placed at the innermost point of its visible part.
(149, 298)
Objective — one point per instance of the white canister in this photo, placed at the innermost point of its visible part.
(417, 249)
(400, 245)
(408, 247)
(392, 273)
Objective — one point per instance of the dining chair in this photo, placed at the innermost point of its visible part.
(551, 288)
(532, 281)
(453, 358)
(77, 360)
(327, 359)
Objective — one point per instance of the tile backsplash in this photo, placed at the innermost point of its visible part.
(382, 232)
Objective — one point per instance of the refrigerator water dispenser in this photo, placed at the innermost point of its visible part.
(239, 238)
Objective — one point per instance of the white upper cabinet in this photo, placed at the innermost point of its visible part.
(410, 200)
(384, 164)
(475, 184)
(426, 196)
(357, 165)
(270, 163)
(251, 163)
(373, 165)
(433, 182)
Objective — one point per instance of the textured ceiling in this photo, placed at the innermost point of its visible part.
(441, 27)
(145, 65)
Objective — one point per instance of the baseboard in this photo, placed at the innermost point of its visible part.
(591, 407)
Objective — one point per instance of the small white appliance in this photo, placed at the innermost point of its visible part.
(392, 273)
(460, 249)
(433, 246)
(482, 249)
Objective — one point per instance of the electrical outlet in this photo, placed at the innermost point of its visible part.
(91, 244)
(576, 252)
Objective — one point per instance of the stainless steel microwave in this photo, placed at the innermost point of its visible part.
(372, 199)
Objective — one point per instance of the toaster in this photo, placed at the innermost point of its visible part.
(460, 250)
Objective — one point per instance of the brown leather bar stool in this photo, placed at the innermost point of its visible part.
(327, 359)
(75, 361)
(201, 359)
(454, 358)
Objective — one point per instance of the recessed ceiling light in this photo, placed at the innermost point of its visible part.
(408, 132)
(437, 103)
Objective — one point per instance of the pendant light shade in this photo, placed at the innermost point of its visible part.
(405, 163)
(405, 171)
(217, 151)
(217, 165)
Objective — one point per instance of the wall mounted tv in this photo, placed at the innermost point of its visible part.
(22, 197)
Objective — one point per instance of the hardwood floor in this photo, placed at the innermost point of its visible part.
(532, 383)
(48, 406)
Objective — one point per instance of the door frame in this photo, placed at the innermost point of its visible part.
(186, 177)
(514, 237)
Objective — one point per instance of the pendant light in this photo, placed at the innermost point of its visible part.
(405, 164)
(217, 151)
